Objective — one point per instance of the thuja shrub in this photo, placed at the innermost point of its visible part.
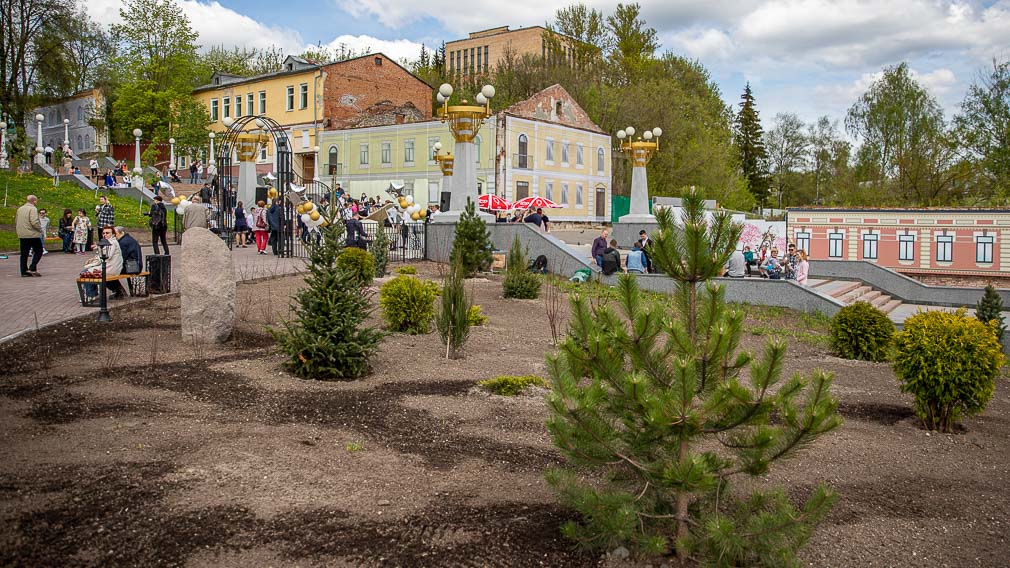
(407, 270)
(357, 263)
(861, 331)
(408, 304)
(453, 321)
(519, 282)
(949, 363)
(476, 316)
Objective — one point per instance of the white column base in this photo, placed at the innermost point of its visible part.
(453, 217)
(637, 218)
(138, 182)
(40, 158)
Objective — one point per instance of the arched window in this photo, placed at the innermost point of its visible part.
(80, 114)
(523, 151)
(80, 143)
(476, 143)
(87, 141)
(333, 165)
(52, 118)
(599, 160)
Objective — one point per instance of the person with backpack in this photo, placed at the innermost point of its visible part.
(611, 259)
(159, 224)
(260, 226)
(539, 265)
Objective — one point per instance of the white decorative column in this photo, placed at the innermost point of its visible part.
(210, 161)
(464, 121)
(40, 157)
(171, 155)
(4, 164)
(138, 171)
(639, 152)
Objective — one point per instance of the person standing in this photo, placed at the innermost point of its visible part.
(93, 164)
(159, 224)
(645, 243)
(274, 223)
(45, 221)
(260, 227)
(196, 215)
(199, 172)
(192, 172)
(105, 212)
(599, 245)
(82, 229)
(802, 267)
(356, 232)
(240, 227)
(29, 230)
(66, 231)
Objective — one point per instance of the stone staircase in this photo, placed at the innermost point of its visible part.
(849, 292)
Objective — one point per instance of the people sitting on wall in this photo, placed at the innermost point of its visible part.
(748, 259)
(611, 259)
(133, 262)
(736, 265)
(772, 267)
(636, 259)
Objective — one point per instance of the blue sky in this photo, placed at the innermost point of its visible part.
(811, 57)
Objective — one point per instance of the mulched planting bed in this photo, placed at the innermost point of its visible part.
(124, 446)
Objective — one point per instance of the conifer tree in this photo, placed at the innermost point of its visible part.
(472, 247)
(380, 251)
(750, 142)
(990, 308)
(326, 339)
(652, 399)
(453, 321)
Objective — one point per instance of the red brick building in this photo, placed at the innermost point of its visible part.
(372, 90)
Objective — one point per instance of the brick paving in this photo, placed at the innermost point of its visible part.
(27, 303)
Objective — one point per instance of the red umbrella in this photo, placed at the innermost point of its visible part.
(492, 202)
(534, 202)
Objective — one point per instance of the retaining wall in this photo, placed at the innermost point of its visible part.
(908, 290)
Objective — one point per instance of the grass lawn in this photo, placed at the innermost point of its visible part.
(129, 212)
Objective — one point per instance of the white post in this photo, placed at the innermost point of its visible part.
(3, 146)
(211, 160)
(315, 163)
(171, 154)
(40, 157)
(66, 136)
(138, 178)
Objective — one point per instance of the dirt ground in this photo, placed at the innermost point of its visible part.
(122, 446)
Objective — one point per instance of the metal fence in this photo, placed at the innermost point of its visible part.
(407, 241)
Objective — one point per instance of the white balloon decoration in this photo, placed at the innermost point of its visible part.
(306, 219)
(409, 199)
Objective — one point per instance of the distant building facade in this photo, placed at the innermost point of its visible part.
(482, 51)
(922, 243)
(80, 109)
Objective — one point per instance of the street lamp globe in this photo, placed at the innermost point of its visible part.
(622, 134)
(480, 99)
(3, 126)
(137, 132)
(437, 147)
(487, 91)
(445, 90)
(228, 121)
(211, 135)
(630, 130)
(647, 135)
(440, 98)
(66, 121)
(315, 148)
(40, 117)
(657, 132)
(171, 140)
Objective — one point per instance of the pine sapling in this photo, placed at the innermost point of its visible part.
(472, 244)
(990, 308)
(453, 321)
(380, 251)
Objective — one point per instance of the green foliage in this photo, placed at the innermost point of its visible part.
(511, 385)
(358, 264)
(327, 338)
(990, 309)
(380, 252)
(982, 126)
(408, 304)
(407, 270)
(636, 396)
(949, 362)
(472, 245)
(750, 141)
(354, 446)
(861, 331)
(476, 317)
(519, 282)
(453, 322)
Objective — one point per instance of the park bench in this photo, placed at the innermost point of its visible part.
(136, 284)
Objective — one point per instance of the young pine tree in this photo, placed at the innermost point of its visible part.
(653, 400)
(519, 282)
(990, 308)
(380, 251)
(453, 320)
(472, 247)
(326, 339)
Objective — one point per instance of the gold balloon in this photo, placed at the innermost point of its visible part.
(324, 223)
(176, 200)
(272, 194)
(415, 216)
(314, 215)
(309, 206)
(402, 203)
(300, 209)
(423, 213)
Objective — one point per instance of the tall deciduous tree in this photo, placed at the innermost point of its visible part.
(634, 43)
(786, 145)
(750, 143)
(983, 126)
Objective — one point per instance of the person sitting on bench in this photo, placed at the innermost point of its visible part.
(113, 264)
(132, 260)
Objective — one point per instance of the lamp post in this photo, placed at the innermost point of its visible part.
(66, 136)
(138, 179)
(464, 121)
(445, 164)
(315, 164)
(210, 161)
(3, 146)
(40, 158)
(171, 155)
(639, 151)
(103, 298)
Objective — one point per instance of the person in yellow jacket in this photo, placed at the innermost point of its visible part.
(29, 230)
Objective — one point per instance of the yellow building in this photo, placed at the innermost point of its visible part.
(544, 146)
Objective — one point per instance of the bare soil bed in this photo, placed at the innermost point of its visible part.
(122, 446)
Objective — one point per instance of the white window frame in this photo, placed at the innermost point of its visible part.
(836, 239)
(213, 110)
(984, 245)
(408, 152)
(290, 98)
(564, 194)
(871, 242)
(600, 160)
(386, 153)
(578, 196)
(249, 103)
(945, 248)
(263, 102)
(579, 158)
(363, 155)
(238, 106)
(226, 107)
(565, 151)
(549, 152)
(303, 96)
(549, 190)
(432, 140)
(906, 247)
(803, 241)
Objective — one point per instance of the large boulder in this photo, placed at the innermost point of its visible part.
(207, 284)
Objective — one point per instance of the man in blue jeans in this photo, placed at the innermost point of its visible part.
(599, 245)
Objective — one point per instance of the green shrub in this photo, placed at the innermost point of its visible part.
(407, 270)
(476, 317)
(519, 282)
(408, 304)
(472, 244)
(510, 385)
(990, 308)
(380, 251)
(861, 331)
(359, 264)
(453, 321)
(949, 362)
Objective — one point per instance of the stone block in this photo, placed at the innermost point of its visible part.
(207, 285)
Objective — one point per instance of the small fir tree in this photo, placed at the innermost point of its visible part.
(652, 399)
(990, 308)
(380, 251)
(519, 282)
(326, 339)
(453, 320)
(472, 246)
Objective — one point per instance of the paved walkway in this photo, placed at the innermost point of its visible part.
(27, 303)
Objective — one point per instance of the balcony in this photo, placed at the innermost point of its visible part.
(334, 169)
(523, 161)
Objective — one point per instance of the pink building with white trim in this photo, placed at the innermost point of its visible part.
(972, 243)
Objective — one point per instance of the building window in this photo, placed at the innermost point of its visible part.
(906, 247)
(87, 141)
(213, 110)
(564, 153)
(378, 61)
(249, 103)
(80, 114)
(305, 139)
(227, 106)
(564, 194)
(479, 54)
(983, 249)
(291, 98)
(835, 242)
(944, 248)
(431, 147)
(363, 154)
(549, 194)
(387, 153)
(263, 153)
(466, 59)
(408, 151)
(80, 148)
(333, 165)
(578, 155)
(263, 102)
(524, 146)
(485, 58)
(522, 190)
(578, 195)
(599, 160)
(472, 67)
(870, 246)
(476, 143)
(238, 106)
(549, 144)
(303, 96)
(803, 242)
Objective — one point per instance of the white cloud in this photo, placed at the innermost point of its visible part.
(702, 43)
(397, 49)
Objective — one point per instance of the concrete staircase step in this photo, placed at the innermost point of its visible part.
(880, 300)
(843, 288)
(855, 293)
(814, 282)
(870, 296)
(890, 306)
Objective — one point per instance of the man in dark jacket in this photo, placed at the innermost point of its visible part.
(158, 223)
(356, 232)
(274, 223)
(611, 259)
(534, 219)
(132, 260)
(599, 245)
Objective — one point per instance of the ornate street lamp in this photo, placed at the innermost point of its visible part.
(464, 121)
(444, 161)
(138, 180)
(210, 162)
(3, 146)
(40, 158)
(66, 137)
(103, 299)
(639, 151)
(171, 155)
